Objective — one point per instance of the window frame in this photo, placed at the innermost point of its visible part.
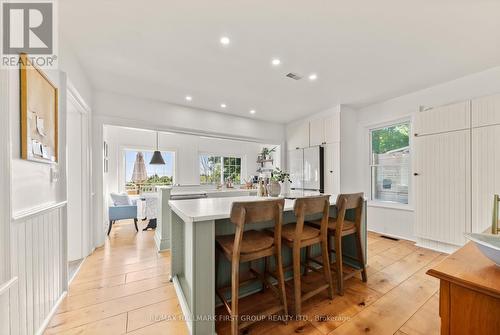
(390, 204)
(122, 174)
(222, 156)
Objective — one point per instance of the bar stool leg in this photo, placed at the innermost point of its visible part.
(338, 263)
(235, 286)
(326, 265)
(296, 279)
(306, 263)
(361, 258)
(281, 284)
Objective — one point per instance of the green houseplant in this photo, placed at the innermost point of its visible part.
(278, 177)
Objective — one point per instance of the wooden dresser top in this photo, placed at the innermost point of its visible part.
(468, 267)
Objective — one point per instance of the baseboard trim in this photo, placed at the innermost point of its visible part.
(45, 323)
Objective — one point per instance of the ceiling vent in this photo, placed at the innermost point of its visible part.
(294, 76)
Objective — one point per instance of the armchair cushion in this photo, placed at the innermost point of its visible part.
(121, 199)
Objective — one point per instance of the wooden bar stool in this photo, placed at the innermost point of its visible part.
(339, 227)
(297, 236)
(246, 246)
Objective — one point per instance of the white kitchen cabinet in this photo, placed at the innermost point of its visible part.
(443, 119)
(332, 128)
(485, 174)
(298, 136)
(442, 164)
(332, 168)
(317, 132)
(486, 111)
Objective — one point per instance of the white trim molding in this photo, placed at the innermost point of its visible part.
(28, 213)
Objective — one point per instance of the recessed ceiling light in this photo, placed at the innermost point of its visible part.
(276, 62)
(252, 111)
(313, 76)
(223, 106)
(224, 40)
(189, 98)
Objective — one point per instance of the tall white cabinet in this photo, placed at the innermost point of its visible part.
(456, 164)
(321, 130)
(485, 159)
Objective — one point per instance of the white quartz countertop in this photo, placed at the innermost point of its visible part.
(211, 191)
(205, 209)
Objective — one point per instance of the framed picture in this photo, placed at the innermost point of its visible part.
(39, 114)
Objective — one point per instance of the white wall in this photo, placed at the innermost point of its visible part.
(396, 221)
(37, 215)
(186, 147)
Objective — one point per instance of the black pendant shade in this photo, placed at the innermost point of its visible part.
(157, 159)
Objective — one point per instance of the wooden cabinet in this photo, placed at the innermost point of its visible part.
(332, 168)
(469, 295)
(486, 111)
(298, 136)
(443, 119)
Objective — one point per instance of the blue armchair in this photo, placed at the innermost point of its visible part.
(122, 212)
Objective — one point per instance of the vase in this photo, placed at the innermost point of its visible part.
(274, 189)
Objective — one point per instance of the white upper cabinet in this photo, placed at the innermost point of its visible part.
(443, 119)
(298, 136)
(486, 111)
(324, 130)
(332, 128)
(317, 132)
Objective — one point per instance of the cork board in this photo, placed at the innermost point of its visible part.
(39, 114)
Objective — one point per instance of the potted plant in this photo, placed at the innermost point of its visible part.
(266, 153)
(278, 176)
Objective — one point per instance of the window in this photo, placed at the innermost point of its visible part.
(390, 163)
(156, 175)
(217, 169)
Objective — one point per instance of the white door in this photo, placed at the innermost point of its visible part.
(442, 186)
(296, 168)
(332, 168)
(485, 175)
(78, 231)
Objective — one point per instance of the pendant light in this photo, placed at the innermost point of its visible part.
(157, 159)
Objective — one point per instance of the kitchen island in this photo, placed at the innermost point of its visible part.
(194, 225)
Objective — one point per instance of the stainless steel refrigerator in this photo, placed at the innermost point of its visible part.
(306, 169)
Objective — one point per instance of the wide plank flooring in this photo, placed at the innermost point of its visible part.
(123, 288)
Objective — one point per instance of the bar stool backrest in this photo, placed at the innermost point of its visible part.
(349, 201)
(312, 206)
(250, 212)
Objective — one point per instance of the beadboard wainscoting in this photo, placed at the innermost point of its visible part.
(39, 263)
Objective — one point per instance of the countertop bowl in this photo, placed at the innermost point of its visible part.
(488, 244)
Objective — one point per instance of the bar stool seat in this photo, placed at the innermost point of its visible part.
(348, 227)
(288, 232)
(253, 241)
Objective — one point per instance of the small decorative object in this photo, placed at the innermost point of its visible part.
(278, 176)
(39, 114)
(266, 153)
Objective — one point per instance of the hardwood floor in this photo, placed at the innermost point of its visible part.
(123, 288)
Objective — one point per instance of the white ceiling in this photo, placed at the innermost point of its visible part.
(362, 51)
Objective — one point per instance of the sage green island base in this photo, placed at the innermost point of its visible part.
(194, 225)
